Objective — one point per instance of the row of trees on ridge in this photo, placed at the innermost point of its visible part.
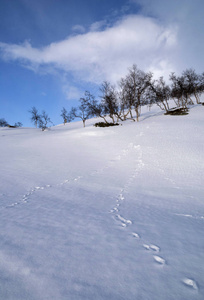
(135, 90)
(4, 123)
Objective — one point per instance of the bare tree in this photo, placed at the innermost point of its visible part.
(18, 124)
(109, 101)
(201, 83)
(44, 121)
(35, 117)
(98, 111)
(64, 115)
(193, 84)
(125, 105)
(159, 93)
(179, 91)
(3, 123)
(67, 117)
(85, 110)
(137, 83)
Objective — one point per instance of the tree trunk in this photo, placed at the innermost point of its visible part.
(197, 98)
(137, 113)
(165, 106)
(131, 115)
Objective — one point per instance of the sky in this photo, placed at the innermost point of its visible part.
(52, 51)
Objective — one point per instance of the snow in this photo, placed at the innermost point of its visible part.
(104, 213)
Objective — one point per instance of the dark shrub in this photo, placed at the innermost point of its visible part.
(177, 111)
(103, 124)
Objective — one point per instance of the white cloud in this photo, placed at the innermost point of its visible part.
(187, 17)
(78, 28)
(98, 25)
(71, 92)
(102, 55)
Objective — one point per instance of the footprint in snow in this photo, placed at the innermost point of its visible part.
(151, 247)
(25, 199)
(12, 205)
(154, 248)
(115, 209)
(135, 235)
(121, 197)
(159, 260)
(77, 178)
(147, 247)
(123, 221)
(190, 283)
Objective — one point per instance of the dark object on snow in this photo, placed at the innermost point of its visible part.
(177, 111)
(103, 124)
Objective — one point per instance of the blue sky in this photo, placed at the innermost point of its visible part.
(51, 51)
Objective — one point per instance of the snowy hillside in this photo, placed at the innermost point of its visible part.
(104, 213)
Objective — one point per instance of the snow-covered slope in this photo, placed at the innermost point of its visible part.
(104, 213)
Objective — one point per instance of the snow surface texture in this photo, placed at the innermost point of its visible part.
(104, 213)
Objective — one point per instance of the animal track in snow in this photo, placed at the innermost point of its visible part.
(190, 216)
(27, 196)
(121, 197)
(123, 153)
(115, 209)
(147, 247)
(159, 260)
(190, 283)
(135, 235)
(154, 248)
(151, 247)
(124, 222)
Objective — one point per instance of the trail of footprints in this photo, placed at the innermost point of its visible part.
(154, 249)
(151, 248)
(27, 196)
(126, 222)
(117, 158)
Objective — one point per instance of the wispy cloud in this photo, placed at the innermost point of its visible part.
(78, 28)
(71, 92)
(102, 54)
(98, 26)
(187, 16)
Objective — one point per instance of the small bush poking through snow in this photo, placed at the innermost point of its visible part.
(177, 112)
(103, 124)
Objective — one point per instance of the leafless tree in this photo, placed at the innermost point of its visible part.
(3, 123)
(18, 124)
(137, 83)
(44, 121)
(180, 91)
(85, 109)
(64, 115)
(35, 116)
(109, 101)
(193, 84)
(159, 93)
